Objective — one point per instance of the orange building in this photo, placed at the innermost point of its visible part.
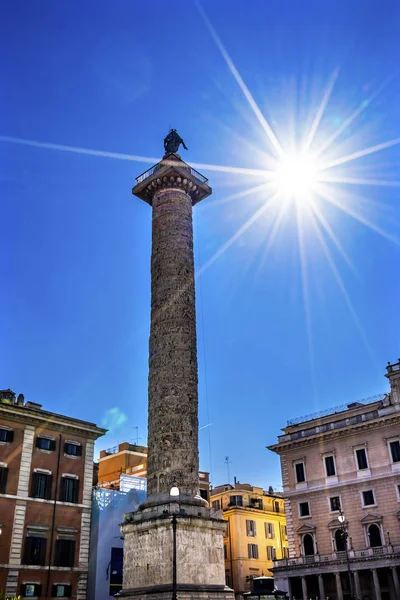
(131, 459)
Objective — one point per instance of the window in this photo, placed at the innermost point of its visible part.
(116, 566)
(300, 472)
(204, 494)
(45, 443)
(330, 467)
(65, 553)
(340, 540)
(72, 449)
(35, 551)
(285, 552)
(269, 530)
(334, 503)
(284, 532)
(368, 498)
(61, 590)
(362, 462)
(236, 500)
(251, 528)
(252, 550)
(216, 504)
(308, 545)
(271, 554)
(31, 590)
(3, 479)
(398, 491)
(374, 536)
(276, 506)
(41, 485)
(69, 490)
(395, 451)
(6, 435)
(304, 509)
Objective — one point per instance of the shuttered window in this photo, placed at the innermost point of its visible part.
(6, 435)
(61, 590)
(69, 489)
(35, 551)
(45, 444)
(72, 449)
(3, 479)
(250, 528)
(41, 485)
(65, 553)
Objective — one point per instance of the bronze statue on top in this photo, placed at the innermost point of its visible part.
(172, 142)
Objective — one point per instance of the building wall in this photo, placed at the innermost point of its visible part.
(368, 426)
(21, 514)
(238, 566)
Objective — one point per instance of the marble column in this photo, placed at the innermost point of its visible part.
(357, 588)
(321, 587)
(304, 588)
(376, 584)
(339, 586)
(396, 583)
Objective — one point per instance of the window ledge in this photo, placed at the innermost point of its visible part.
(361, 473)
(305, 517)
(331, 480)
(395, 466)
(302, 486)
(367, 506)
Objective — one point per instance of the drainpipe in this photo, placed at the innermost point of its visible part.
(54, 518)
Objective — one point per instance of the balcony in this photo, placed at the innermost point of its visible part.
(338, 557)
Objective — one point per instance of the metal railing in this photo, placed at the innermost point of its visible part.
(334, 410)
(181, 165)
(338, 556)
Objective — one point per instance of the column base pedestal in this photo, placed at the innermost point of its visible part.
(184, 592)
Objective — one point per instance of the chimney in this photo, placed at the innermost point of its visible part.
(20, 400)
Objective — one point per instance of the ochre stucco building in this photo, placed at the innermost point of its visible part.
(46, 477)
(343, 463)
(256, 532)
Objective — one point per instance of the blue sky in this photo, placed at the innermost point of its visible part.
(301, 327)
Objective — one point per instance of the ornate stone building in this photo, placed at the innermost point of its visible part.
(46, 476)
(173, 544)
(256, 533)
(341, 478)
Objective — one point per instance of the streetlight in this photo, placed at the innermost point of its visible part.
(345, 534)
(174, 494)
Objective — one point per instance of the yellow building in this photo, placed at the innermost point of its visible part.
(256, 533)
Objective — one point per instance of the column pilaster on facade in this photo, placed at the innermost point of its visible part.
(377, 587)
(357, 587)
(321, 587)
(304, 588)
(339, 586)
(26, 462)
(396, 583)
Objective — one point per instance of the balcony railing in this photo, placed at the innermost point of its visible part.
(338, 556)
(182, 165)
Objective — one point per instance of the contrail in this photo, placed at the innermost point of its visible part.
(130, 157)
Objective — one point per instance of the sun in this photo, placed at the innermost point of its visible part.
(296, 176)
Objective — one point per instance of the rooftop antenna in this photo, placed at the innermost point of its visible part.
(137, 436)
(228, 462)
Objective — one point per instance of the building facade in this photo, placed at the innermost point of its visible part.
(256, 533)
(131, 459)
(341, 478)
(46, 476)
(106, 540)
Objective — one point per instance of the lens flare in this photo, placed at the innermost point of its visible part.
(296, 176)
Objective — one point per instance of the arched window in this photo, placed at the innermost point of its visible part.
(374, 534)
(308, 544)
(340, 541)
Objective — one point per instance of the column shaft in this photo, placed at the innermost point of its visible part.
(339, 586)
(173, 399)
(396, 582)
(377, 587)
(321, 587)
(304, 588)
(357, 588)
